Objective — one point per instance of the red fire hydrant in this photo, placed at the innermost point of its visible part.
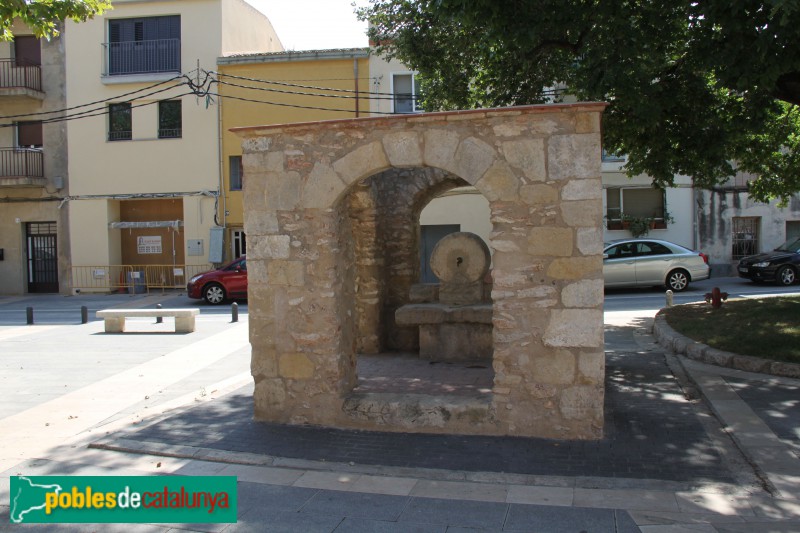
(716, 297)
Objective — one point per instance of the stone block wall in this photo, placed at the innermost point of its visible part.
(385, 211)
(308, 193)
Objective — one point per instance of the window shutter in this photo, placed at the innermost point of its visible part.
(30, 134)
(114, 31)
(27, 50)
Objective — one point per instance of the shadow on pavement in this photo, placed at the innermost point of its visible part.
(651, 432)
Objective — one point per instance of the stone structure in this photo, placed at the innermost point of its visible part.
(331, 256)
(454, 318)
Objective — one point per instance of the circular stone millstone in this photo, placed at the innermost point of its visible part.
(460, 257)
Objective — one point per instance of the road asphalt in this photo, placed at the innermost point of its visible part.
(687, 446)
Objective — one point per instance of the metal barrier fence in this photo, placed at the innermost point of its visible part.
(16, 75)
(139, 57)
(21, 163)
(133, 279)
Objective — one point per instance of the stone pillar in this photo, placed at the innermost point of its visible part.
(369, 262)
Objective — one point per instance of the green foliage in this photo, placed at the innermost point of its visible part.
(692, 86)
(43, 16)
(638, 226)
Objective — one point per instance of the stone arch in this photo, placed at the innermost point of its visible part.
(385, 209)
(539, 167)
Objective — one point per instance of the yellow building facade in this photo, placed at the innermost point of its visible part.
(282, 88)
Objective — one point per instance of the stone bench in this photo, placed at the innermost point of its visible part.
(115, 318)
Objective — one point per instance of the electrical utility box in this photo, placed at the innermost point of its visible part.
(216, 245)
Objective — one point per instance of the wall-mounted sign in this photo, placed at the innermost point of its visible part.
(148, 244)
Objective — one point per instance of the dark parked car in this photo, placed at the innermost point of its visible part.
(652, 262)
(780, 265)
(225, 283)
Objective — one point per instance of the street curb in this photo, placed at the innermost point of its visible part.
(674, 341)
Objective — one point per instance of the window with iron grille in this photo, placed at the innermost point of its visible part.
(745, 236)
(169, 119)
(144, 45)
(236, 172)
(120, 125)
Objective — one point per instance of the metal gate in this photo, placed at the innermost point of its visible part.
(42, 257)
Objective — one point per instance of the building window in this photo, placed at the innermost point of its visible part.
(236, 172)
(169, 119)
(29, 135)
(612, 158)
(745, 236)
(405, 91)
(792, 230)
(119, 122)
(238, 243)
(634, 202)
(27, 51)
(144, 45)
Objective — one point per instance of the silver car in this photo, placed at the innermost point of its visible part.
(651, 262)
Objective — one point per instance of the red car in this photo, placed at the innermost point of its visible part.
(228, 282)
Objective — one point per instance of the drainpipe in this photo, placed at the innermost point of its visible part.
(355, 80)
(695, 225)
(221, 170)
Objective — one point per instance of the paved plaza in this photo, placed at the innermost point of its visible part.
(687, 446)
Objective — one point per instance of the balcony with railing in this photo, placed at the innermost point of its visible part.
(20, 80)
(22, 167)
(142, 57)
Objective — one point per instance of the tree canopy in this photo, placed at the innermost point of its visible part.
(693, 85)
(43, 16)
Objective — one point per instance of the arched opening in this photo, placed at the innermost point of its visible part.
(327, 269)
(388, 242)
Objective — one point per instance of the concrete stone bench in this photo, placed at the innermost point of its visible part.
(115, 318)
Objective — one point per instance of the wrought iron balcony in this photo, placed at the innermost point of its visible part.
(142, 57)
(20, 79)
(22, 167)
(175, 133)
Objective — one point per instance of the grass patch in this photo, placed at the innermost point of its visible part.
(763, 327)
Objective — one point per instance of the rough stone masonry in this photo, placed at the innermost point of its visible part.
(326, 270)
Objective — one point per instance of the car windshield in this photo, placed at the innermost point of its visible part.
(792, 245)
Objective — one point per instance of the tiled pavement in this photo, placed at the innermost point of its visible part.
(304, 509)
(776, 401)
(662, 464)
(652, 432)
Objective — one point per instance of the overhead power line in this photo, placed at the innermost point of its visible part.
(330, 89)
(203, 88)
(99, 111)
(114, 98)
(360, 96)
(298, 106)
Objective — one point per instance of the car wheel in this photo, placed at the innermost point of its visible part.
(786, 276)
(678, 280)
(214, 294)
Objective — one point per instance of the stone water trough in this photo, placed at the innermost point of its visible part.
(454, 317)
